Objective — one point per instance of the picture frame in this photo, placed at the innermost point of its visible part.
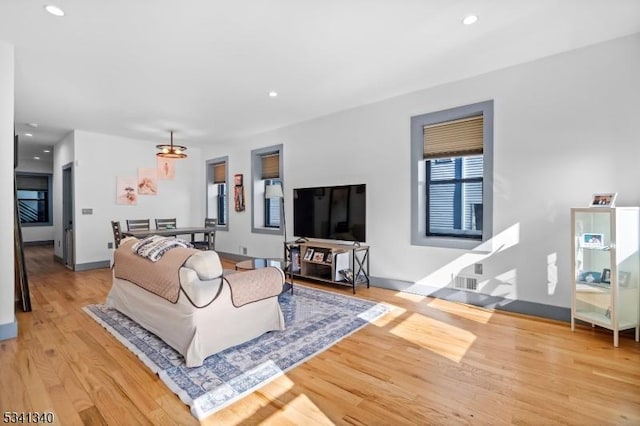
(328, 258)
(606, 276)
(237, 179)
(308, 255)
(604, 199)
(318, 256)
(591, 240)
(590, 277)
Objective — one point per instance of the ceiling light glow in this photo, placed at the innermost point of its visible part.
(273, 94)
(29, 135)
(47, 150)
(34, 125)
(36, 158)
(470, 19)
(54, 10)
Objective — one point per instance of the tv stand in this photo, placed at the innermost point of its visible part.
(342, 264)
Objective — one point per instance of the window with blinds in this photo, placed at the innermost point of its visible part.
(266, 170)
(220, 173)
(455, 138)
(217, 192)
(33, 199)
(271, 166)
(452, 165)
(453, 155)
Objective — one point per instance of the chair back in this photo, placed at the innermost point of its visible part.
(117, 232)
(166, 223)
(209, 240)
(137, 224)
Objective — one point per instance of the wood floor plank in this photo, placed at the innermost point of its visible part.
(428, 361)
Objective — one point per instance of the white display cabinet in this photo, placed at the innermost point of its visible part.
(606, 264)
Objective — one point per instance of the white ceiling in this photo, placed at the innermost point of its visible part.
(204, 68)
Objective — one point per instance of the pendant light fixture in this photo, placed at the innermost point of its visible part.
(171, 151)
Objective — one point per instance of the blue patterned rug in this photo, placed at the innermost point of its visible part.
(315, 320)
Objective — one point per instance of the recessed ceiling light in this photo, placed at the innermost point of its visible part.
(54, 10)
(470, 19)
(34, 125)
(29, 135)
(47, 150)
(36, 158)
(273, 94)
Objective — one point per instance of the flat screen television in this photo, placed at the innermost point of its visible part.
(330, 212)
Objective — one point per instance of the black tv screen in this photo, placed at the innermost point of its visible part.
(330, 212)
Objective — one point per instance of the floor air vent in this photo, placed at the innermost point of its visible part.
(465, 283)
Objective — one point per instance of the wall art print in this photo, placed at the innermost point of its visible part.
(147, 181)
(238, 193)
(126, 193)
(166, 168)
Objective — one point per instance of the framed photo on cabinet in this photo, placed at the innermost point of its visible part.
(308, 254)
(604, 200)
(591, 240)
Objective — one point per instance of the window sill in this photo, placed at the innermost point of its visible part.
(269, 231)
(452, 243)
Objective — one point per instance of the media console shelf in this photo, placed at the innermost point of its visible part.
(342, 264)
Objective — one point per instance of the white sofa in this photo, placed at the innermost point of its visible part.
(198, 332)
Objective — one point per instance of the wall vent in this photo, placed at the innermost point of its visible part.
(465, 283)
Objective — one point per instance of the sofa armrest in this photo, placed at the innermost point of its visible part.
(254, 285)
(206, 264)
(200, 292)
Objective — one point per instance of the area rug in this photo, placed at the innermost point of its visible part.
(315, 320)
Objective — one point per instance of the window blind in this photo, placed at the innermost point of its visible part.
(271, 166)
(32, 182)
(219, 173)
(453, 138)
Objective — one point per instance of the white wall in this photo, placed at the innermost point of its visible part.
(565, 127)
(7, 292)
(99, 159)
(36, 233)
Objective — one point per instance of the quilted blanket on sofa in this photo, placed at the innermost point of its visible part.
(161, 278)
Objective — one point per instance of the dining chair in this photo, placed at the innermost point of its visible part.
(117, 232)
(138, 224)
(166, 223)
(204, 243)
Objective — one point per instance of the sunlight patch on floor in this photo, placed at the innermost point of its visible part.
(472, 313)
(439, 337)
(298, 407)
(410, 296)
(389, 317)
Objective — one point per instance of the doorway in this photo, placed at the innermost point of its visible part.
(68, 250)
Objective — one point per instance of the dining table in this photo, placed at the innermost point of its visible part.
(173, 232)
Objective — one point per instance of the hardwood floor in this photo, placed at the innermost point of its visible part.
(427, 362)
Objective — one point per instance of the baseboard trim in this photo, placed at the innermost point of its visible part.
(234, 257)
(58, 259)
(9, 330)
(38, 243)
(79, 267)
(478, 299)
